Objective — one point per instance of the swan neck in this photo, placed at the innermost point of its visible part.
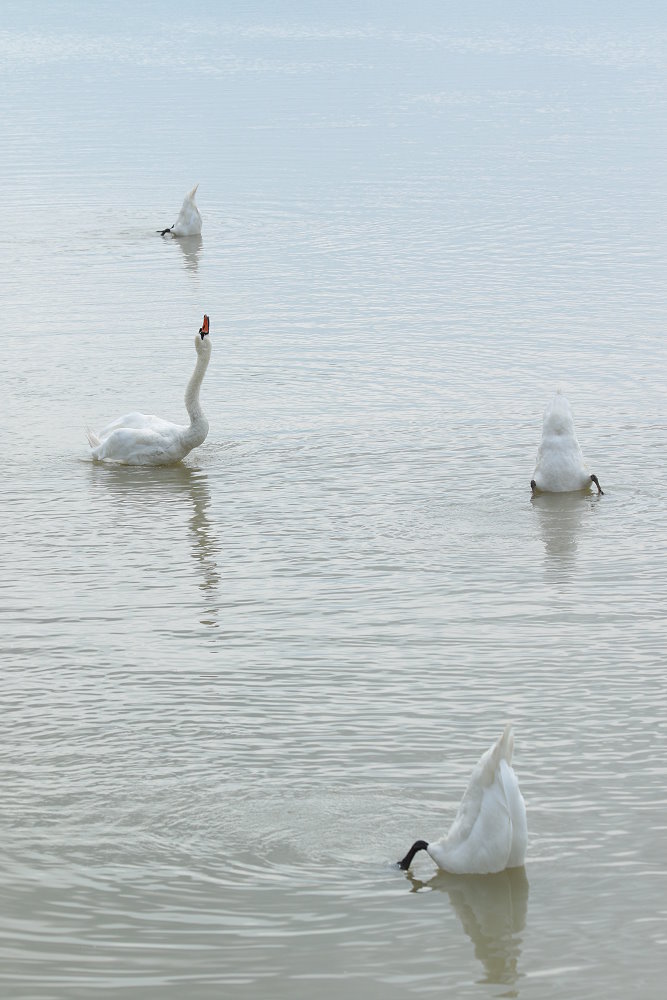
(192, 392)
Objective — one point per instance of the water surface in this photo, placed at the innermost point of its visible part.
(235, 691)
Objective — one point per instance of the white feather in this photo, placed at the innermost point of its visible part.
(143, 439)
(560, 466)
(188, 222)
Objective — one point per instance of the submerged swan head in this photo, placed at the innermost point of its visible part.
(489, 831)
(560, 465)
(188, 222)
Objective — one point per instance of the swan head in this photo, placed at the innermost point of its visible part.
(202, 341)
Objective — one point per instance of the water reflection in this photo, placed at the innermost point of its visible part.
(158, 487)
(492, 911)
(191, 249)
(561, 517)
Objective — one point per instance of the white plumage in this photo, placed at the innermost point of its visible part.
(188, 222)
(143, 439)
(489, 832)
(560, 466)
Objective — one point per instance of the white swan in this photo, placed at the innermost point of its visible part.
(140, 439)
(188, 222)
(489, 832)
(560, 464)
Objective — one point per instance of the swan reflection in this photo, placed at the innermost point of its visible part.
(492, 911)
(561, 517)
(158, 487)
(191, 249)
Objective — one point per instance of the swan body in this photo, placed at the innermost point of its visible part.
(188, 222)
(489, 832)
(560, 466)
(142, 439)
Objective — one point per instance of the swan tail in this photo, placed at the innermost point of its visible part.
(93, 439)
(506, 743)
(489, 762)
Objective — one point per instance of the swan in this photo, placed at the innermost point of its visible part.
(139, 439)
(489, 832)
(560, 464)
(188, 222)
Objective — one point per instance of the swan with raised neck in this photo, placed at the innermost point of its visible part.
(144, 439)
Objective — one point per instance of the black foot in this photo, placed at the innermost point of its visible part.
(594, 479)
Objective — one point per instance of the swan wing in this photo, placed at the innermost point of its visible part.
(139, 422)
(560, 465)
(483, 777)
(488, 843)
(517, 814)
(141, 446)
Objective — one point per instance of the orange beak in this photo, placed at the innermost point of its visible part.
(204, 327)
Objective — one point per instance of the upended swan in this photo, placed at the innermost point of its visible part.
(489, 832)
(188, 222)
(140, 439)
(560, 464)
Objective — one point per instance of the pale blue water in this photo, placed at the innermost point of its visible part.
(234, 692)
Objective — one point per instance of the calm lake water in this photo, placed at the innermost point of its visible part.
(235, 691)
